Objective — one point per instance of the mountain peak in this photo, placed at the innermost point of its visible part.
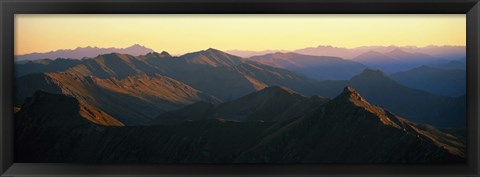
(286, 54)
(349, 90)
(350, 97)
(371, 56)
(209, 51)
(397, 52)
(164, 53)
(136, 46)
(370, 75)
(350, 94)
(212, 57)
(214, 51)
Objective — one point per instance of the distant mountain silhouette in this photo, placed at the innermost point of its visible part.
(316, 67)
(323, 50)
(396, 60)
(454, 64)
(372, 57)
(250, 53)
(346, 129)
(445, 52)
(133, 100)
(269, 104)
(80, 52)
(435, 80)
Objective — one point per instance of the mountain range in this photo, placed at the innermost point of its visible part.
(213, 107)
(396, 60)
(445, 52)
(389, 59)
(227, 77)
(211, 71)
(83, 52)
(133, 100)
(346, 129)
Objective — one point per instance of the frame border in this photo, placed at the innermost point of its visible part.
(10, 7)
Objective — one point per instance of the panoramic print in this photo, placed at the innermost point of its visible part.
(171, 89)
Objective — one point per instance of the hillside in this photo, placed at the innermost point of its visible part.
(214, 72)
(132, 100)
(315, 67)
(267, 105)
(348, 129)
(416, 105)
(445, 82)
(396, 60)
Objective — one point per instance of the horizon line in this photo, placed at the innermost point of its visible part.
(246, 50)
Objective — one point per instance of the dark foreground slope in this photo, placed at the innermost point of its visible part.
(346, 129)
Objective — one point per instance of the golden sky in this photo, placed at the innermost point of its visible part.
(179, 34)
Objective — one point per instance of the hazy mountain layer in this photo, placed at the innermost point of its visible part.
(434, 80)
(445, 52)
(316, 67)
(87, 52)
(396, 60)
(459, 64)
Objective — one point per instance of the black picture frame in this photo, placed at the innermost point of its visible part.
(9, 8)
